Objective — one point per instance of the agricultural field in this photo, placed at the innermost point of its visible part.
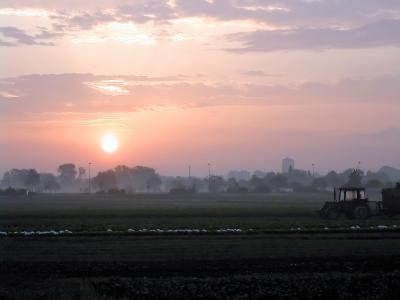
(158, 246)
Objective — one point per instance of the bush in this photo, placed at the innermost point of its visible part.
(14, 192)
(116, 192)
(180, 190)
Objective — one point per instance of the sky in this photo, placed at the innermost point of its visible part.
(239, 84)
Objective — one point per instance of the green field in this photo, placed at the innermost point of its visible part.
(203, 211)
(290, 253)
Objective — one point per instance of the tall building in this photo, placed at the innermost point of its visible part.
(287, 165)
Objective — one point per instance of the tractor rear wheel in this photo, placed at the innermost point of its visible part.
(332, 214)
(361, 212)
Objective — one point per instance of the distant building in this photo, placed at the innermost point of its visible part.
(287, 165)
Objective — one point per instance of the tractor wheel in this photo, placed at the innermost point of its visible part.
(361, 212)
(332, 214)
(322, 215)
(349, 215)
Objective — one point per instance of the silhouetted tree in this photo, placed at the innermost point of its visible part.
(105, 180)
(48, 182)
(15, 178)
(239, 174)
(154, 182)
(259, 185)
(32, 179)
(374, 184)
(123, 175)
(67, 173)
(139, 178)
(278, 181)
(319, 183)
(355, 178)
(145, 178)
(233, 185)
(217, 183)
(81, 172)
(332, 179)
(300, 176)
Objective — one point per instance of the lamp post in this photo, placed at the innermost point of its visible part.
(209, 177)
(90, 164)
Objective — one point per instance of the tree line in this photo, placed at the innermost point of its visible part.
(70, 178)
(124, 179)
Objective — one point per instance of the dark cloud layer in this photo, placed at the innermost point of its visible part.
(18, 37)
(383, 33)
(312, 24)
(292, 12)
(257, 73)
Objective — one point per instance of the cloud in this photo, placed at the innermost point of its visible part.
(380, 34)
(296, 24)
(100, 93)
(19, 37)
(284, 12)
(8, 95)
(293, 13)
(24, 12)
(257, 73)
(64, 20)
(6, 44)
(147, 11)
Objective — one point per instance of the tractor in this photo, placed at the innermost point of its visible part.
(351, 202)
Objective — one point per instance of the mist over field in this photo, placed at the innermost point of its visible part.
(140, 179)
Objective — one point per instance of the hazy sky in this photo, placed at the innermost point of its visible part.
(237, 83)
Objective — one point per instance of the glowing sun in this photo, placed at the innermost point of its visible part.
(109, 143)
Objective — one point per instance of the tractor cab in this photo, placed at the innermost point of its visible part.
(349, 194)
(349, 201)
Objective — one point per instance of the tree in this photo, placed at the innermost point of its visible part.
(105, 180)
(32, 179)
(374, 184)
(332, 179)
(49, 182)
(216, 183)
(67, 173)
(239, 174)
(14, 178)
(260, 185)
(81, 172)
(299, 176)
(278, 181)
(21, 178)
(124, 178)
(233, 185)
(319, 183)
(355, 178)
(154, 182)
(145, 178)
(139, 178)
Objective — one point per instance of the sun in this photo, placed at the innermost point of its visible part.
(109, 143)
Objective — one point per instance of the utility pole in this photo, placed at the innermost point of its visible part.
(209, 177)
(89, 178)
(313, 170)
(189, 179)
